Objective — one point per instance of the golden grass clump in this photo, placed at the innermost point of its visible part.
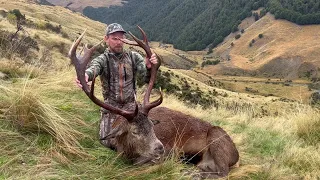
(304, 160)
(308, 126)
(29, 114)
(14, 69)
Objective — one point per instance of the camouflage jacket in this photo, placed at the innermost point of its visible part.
(117, 73)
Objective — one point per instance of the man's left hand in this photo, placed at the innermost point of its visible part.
(152, 60)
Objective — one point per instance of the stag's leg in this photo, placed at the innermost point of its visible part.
(220, 155)
(212, 167)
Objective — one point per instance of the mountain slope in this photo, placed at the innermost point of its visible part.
(286, 50)
(79, 5)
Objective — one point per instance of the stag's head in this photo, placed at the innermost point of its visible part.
(134, 132)
(137, 139)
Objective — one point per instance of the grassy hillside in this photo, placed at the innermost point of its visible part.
(285, 50)
(48, 127)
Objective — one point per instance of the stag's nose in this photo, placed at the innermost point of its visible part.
(159, 149)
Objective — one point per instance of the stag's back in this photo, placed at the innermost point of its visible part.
(176, 129)
(193, 136)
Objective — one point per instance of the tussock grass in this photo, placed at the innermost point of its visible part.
(17, 69)
(304, 160)
(29, 114)
(308, 126)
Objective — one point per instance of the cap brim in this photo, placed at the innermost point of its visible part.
(116, 31)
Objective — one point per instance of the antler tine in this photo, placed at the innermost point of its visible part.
(75, 44)
(145, 39)
(143, 45)
(80, 66)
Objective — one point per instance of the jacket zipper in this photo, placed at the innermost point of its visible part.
(121, 81)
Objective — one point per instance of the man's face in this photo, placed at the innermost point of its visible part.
(115, 45)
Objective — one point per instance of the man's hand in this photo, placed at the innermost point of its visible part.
(152, 60)
(86, 77)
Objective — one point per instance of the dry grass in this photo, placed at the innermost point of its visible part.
(80, 5)
(15, 69)
(58, 15)
(28, 113)
(308, 126)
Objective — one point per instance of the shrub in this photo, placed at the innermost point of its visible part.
(41, 25)
(315, 99)
(208, 62)
(65, 35)
(263, 12)
(260, 36)
(235, 28)
(56, 29)
(237, 36)
(18, 14)
(256, 16)
(210, 50)
(11, 18)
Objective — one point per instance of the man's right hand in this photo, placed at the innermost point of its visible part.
(88, 82)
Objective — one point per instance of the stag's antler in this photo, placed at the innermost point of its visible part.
(80, 64)
(146, 106)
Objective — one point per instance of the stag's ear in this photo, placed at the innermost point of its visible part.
(154, 121)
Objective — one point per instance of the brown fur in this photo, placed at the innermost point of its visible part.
(195, 137)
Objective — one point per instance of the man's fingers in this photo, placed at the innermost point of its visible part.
(153, 61)
(78, 83)
(148, 63)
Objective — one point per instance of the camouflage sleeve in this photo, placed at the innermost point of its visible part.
(97, 66)
(141, 67)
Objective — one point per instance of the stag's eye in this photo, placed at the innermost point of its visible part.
(135, 133)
